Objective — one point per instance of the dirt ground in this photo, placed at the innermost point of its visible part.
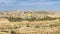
(27, 27)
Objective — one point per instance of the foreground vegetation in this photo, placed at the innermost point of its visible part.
(31, 27)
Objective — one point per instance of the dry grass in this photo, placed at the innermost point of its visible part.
(3, 33)
(34, 27)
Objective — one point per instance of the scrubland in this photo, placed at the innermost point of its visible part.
(43, 23)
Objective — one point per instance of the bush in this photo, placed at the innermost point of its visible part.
(14, 19)
(28, 25)
(12, 32)
(37, 26)
(47, 18)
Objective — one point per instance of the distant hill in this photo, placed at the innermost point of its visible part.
(23, 14)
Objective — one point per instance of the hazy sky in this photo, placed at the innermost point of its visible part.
(30, 4)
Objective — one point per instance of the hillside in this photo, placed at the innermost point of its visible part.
(23, 14)
(43, 22)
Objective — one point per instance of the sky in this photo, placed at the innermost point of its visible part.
(30, 4)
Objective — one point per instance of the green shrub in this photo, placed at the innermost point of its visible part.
(37, 26)
(14, 19)
(28, 25)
